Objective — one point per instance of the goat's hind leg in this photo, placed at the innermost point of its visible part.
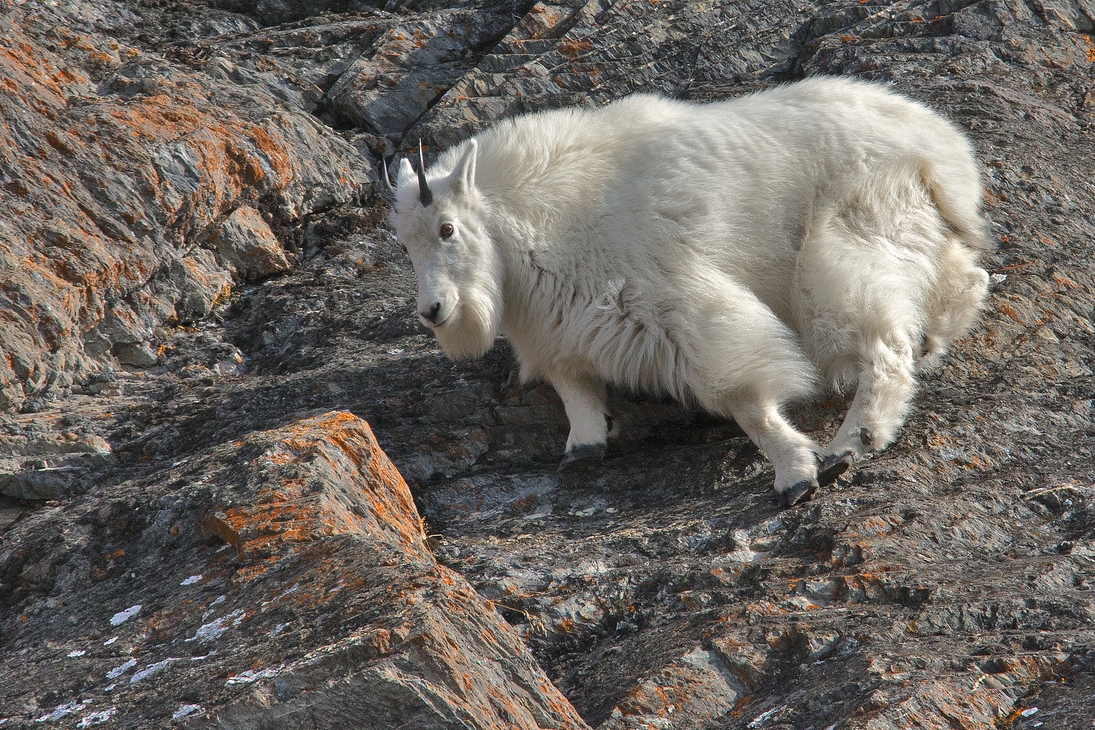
(749, 362)
(886, 381)
(954, 301)
(791, 452)
(867, 329)
(885, 389)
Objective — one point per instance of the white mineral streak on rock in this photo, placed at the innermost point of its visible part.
(760, 719)
(97, 718)
(215, 628)
(742, 553)
(151, 670)
(186, 711)
(252, 675)
(121, 669)
(122, 616)
(63, 711)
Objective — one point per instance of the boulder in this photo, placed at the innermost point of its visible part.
(248, 247)
(278, 581)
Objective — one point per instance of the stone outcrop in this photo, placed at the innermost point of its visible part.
(282, 580)
(116, 164)
(201, 307)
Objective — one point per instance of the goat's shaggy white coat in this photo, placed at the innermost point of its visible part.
(736, 255)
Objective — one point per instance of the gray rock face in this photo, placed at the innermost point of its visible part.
(201, 306)
(248, 247)
(249, 594)
(116, 164)
(411, 64)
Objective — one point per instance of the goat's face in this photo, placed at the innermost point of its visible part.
(441, 225)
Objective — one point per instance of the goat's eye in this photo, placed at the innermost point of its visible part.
(446, 230)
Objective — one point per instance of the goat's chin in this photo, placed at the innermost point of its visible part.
(467, 333)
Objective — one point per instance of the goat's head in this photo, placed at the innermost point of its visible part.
(441, 221)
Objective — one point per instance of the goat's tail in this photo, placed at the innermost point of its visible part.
(961, 286)
(955, 189)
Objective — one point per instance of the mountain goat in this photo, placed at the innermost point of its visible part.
(734, 255)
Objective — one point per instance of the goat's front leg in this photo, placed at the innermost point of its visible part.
(584, 398)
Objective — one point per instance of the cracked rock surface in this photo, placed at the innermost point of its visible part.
(241, 487)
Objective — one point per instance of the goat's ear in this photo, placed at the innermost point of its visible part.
(406, 173)
(462, 177)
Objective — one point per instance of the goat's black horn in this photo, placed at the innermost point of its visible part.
(385, 180)
(424, 193)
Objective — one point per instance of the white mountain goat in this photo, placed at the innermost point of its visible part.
(734, 255)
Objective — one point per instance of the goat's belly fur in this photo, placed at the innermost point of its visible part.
(735, 255)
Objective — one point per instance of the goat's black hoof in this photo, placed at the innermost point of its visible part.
(798, 493)
(582, 456)
(832, 466)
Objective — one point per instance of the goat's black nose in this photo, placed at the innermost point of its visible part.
(431, 315)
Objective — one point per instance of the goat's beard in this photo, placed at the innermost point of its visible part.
(471, 329)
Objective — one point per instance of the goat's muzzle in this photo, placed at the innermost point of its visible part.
(430, 316)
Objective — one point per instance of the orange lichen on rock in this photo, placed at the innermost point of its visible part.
(573, 49)
(989, 703)
(95, 172)
(330, 478)
(539, 21)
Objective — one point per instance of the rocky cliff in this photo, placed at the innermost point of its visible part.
(242, 488)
